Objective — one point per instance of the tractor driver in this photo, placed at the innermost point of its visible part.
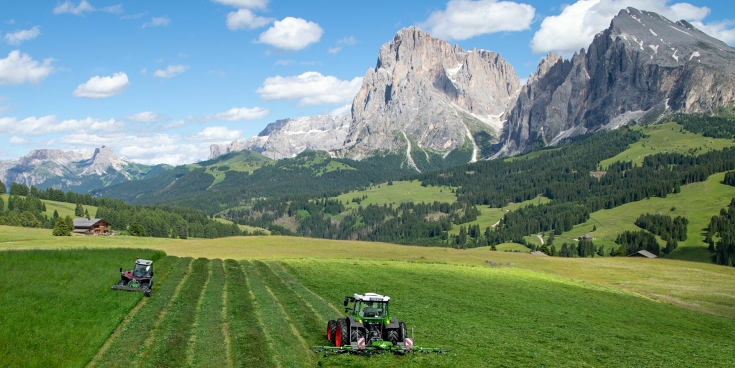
(369, 310)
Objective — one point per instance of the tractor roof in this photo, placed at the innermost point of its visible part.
(143, 262)
(372, 297)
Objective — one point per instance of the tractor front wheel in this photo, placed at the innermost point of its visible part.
(331, 330)
(342, 336)
(393, 336)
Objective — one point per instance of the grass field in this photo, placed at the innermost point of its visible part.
(269, 312)
(399, 192)
(667, 138)
(490, 216)
(697, 202)
(64, 209)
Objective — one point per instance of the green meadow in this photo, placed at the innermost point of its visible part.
(399, 192)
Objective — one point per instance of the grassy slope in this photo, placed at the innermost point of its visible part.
(399, 192)
(683, 283)
(697, 202)
(63, 208)
(667, 138)
(490, 216)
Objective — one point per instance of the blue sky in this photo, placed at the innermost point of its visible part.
(159, 81)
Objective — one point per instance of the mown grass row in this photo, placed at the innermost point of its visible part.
(308, 322)
(324, 309)
(249, 347)
(288, 348)
(125, 348)
(170, 341)
(208, 346)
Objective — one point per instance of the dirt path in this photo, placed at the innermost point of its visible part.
(540, 238)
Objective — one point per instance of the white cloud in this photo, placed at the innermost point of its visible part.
(217, 134)
(134, 16)
(250, 4)
(284, 62)
(145, 117)
(334, 50)
(291, 34)
(724, 30)
(101, 87)
(114, 9)
(21, 35)
(157, 22)
(19, 68)
(69, 7)
(146, 149)
(310, 88)
(465, 19)
(175, 124)
(171, 71)
(244, 18)
(342, 110)
(143, 71)
(235, 114)
(12, 21)
(576, 26)
(48, 125)
(17, 140)
(349, 41)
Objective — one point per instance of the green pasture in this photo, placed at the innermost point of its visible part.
(242, 227)
(490, 216)
(399, 192)
(270, 312)
(697, 202)
(64, 209)
(668, 137)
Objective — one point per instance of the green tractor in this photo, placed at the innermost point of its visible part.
(369, 328)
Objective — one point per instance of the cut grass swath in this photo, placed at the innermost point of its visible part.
(248, 344)
(310, 326)
(170, 344)
(325, 309)
(208, 347)
(125, 349)
(289, 349)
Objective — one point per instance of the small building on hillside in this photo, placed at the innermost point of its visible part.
(643, 254)
(91, 226)
(585, 237)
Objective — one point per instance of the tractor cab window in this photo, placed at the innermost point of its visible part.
(373, 309)
(142, 271)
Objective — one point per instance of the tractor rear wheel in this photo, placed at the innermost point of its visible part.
(331, 330)
(402, 332)
(342, 337)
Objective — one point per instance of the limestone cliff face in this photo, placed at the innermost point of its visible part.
(289, 137)
(426, 92)
(639, 68)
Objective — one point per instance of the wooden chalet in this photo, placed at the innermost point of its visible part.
(91, 226)
(643, 254)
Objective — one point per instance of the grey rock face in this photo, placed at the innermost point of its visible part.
(436, 95)
(640, 67)
(67, 170)
(289, 137)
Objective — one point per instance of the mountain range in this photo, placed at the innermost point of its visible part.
(435, 105)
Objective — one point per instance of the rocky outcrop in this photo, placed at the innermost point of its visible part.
(289, 137)
(639, 68)
(437, 95)
(70, 170)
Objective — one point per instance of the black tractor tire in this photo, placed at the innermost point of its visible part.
(342, 337)
(331, 330)
(392, 336)
(356, 334)
(402, 332)
(147, 292)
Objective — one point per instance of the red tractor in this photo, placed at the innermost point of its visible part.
(138, 279)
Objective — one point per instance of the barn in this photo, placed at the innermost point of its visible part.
(93, 226)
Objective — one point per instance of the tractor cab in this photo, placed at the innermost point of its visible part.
(371, 306)
(143, 268)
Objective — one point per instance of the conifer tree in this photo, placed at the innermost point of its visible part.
(79, 210)
(60, 228)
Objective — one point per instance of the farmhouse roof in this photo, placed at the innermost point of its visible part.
(85, 223)
(643, 253)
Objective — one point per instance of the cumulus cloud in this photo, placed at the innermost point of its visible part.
(19, 68)
(101, 87)
(465, 19)
(310, 88)
(235, 114)
(22, 35)
(49, 124)
(292, 34)
(342, 110)
(334, 50)
(575, 27)
(84, 7)
(145, 117)
(724, 30)
(146, 149)
(157, 22)
(171, 71)
(217, 134)
(250, 4)
(17, 140)
(244, 18)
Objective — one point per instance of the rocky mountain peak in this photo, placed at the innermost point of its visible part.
(103, 159)
(427, 95)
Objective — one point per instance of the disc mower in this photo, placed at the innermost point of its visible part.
(369, 328)
(139, 278)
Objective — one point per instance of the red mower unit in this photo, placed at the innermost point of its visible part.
(138, 279)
